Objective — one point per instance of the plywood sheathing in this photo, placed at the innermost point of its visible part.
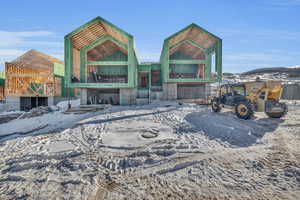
(31, 68)
(94, 32)
(58, 86)
(196, 34)
(32, 57)
(19, 81)
(76, 63)
(189, 49)
(2, 96)
(33, 60)
(103, 50)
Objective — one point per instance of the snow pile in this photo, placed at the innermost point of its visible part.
(230, 129)
(64, 104)
(196, 155)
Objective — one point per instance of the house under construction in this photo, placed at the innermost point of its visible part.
(2, 86)
(34, 79)
(101, 60)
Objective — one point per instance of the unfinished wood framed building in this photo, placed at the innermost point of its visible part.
(191, 59)
(101, 60)
(2, 86)
(34, 79)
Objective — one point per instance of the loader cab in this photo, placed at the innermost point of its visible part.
(231, 94)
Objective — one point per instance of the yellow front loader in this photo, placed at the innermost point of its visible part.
(245, 98)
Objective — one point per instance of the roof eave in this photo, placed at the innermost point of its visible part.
(93, 21)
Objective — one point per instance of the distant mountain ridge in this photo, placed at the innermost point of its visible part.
(291, 70)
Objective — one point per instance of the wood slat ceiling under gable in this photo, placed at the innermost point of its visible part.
(95, 31)
(103, 50)
(196, 34)
(188, 48)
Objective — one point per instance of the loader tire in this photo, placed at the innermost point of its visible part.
(244, 110)
(278, 114)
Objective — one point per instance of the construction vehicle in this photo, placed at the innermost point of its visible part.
(246, 98)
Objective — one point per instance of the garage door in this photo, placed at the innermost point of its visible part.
(191, 91)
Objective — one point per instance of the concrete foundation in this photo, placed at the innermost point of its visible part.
(191, 91)
(133, 96)
(169, 91)
(143, 93)
(51, 101)
(142, 101)
(83, 96)
(106, 96)
(156, 95)
(12, 103)
(128, 96)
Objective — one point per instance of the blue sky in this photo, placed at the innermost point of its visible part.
(257, 33)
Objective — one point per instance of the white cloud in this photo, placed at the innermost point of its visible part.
(261, 57)
(23, 38)
(9, 54)
(13, 44)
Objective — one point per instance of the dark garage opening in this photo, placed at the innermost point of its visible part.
(103, 96)
(27, 103)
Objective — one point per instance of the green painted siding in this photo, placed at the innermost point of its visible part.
(120, 64)
(59, 69)
(180, 56)
(117, 56)
(109, 65)
(149, 67)
(112, 70)
(2, 78)
(184, 68)
(181, 63)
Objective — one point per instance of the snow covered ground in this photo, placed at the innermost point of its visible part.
(159, 151)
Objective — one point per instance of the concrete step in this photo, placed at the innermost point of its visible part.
(158, 95)
(142, 93)
(156, 88)
(142, 101)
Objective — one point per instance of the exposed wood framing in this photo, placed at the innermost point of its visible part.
(25, 81)
(187, 61)
(34, 75)
(195, 33)
(111, 63)
(197, 43)
(2, 93)
(96, 40)
(94, 32)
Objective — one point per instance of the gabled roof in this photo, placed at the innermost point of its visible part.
(36, 59)
(94, 29)
(35, 53)
(195, 33)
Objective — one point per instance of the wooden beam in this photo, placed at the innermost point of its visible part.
(30, 75)
(219, 60)
(68, 61)
(187, 61)
(190, 80)
(107, 63)
(100, 85)
(103, 39)
(192, 42)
